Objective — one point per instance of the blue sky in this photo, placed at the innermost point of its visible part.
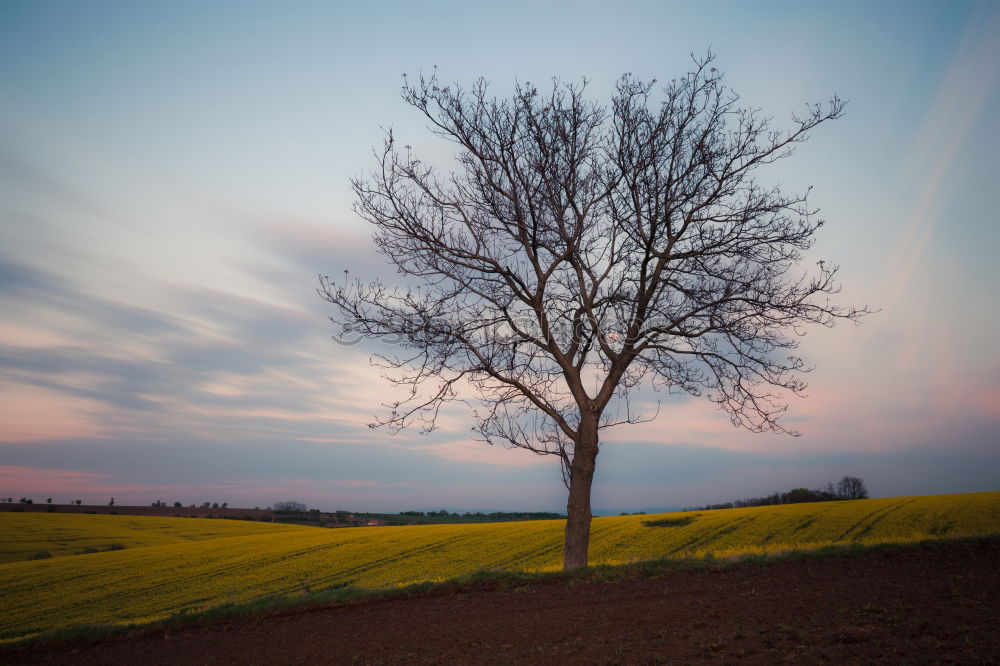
(173, 176)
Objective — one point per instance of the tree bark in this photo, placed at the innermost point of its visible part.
(578, 513)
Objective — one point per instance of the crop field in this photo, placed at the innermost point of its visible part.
(22, 535)
(176, 565)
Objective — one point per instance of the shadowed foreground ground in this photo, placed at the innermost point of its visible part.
(925, 605)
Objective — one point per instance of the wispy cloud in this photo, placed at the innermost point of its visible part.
(160, 330)
(969, 83)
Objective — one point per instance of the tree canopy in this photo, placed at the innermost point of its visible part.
(578, 245)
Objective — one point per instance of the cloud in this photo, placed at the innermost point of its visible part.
(310, 247)
(28, 481)
(161, 332)
(970, 81)
(483, 454)
(33, 413)
(65, 486)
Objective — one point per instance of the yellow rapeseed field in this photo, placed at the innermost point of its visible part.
(23, 534)
(153, 580)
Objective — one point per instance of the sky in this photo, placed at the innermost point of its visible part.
(175, 175)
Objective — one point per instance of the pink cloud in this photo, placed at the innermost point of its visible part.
(21, 480)
(65, 486)
(31, 413)
(31, 336)
(480, 453)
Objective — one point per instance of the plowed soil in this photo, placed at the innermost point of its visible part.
(921, 605)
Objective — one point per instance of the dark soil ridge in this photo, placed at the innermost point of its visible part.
(933, 603)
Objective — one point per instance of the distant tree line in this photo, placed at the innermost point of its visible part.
(157, 503)
(290, 507)
(28, 500)
(204, 505)
(502, 515)
(848, 488)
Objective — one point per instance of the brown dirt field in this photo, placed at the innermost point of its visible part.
(936, 604)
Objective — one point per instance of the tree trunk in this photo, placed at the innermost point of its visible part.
(578, 506)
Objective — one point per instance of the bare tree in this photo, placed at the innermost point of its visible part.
(292, 507)
(579, 246)
(851, 487)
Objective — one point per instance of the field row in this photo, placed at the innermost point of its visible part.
(154, 581)
(24, 535)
